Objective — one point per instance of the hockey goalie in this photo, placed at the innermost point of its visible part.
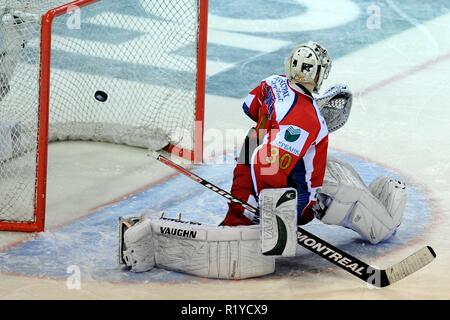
(283, 169)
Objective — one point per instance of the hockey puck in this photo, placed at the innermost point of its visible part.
(101, 96)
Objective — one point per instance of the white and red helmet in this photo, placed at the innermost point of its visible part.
(308, 64)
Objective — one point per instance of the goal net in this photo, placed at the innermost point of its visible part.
(122, 71)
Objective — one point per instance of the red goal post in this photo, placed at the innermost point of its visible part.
(36, 223)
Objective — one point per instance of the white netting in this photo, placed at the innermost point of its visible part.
(123, 71)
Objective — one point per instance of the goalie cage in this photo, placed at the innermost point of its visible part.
(122, 71)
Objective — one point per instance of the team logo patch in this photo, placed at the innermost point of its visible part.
(292, 134)
(291, 139)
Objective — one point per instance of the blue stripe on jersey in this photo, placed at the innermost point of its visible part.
(246, 109)
(297, 180)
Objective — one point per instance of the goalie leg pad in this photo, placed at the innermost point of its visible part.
(349, 203)
(137, 247)
(392, 194)
(210, 251)
(278, 209)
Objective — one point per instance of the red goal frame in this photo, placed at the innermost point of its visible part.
(195, 155)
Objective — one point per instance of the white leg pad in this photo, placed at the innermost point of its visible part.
(210, 251)
(200, 250)
(353, 205)
(392, 194)
(138, 251)
(278, 221)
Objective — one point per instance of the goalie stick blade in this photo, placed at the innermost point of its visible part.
(408, 266)
(369, 274)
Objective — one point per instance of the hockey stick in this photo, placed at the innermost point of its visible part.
(371, 275)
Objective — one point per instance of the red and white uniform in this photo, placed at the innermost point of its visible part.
(293, 152)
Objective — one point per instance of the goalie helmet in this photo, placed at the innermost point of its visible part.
(308, 64)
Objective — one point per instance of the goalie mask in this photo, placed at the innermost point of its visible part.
(308, 64)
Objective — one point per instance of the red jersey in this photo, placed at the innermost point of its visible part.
(294, 149)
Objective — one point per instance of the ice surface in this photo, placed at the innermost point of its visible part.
(398, 71)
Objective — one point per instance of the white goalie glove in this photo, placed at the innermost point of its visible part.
(375, 212)
(335, 105)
